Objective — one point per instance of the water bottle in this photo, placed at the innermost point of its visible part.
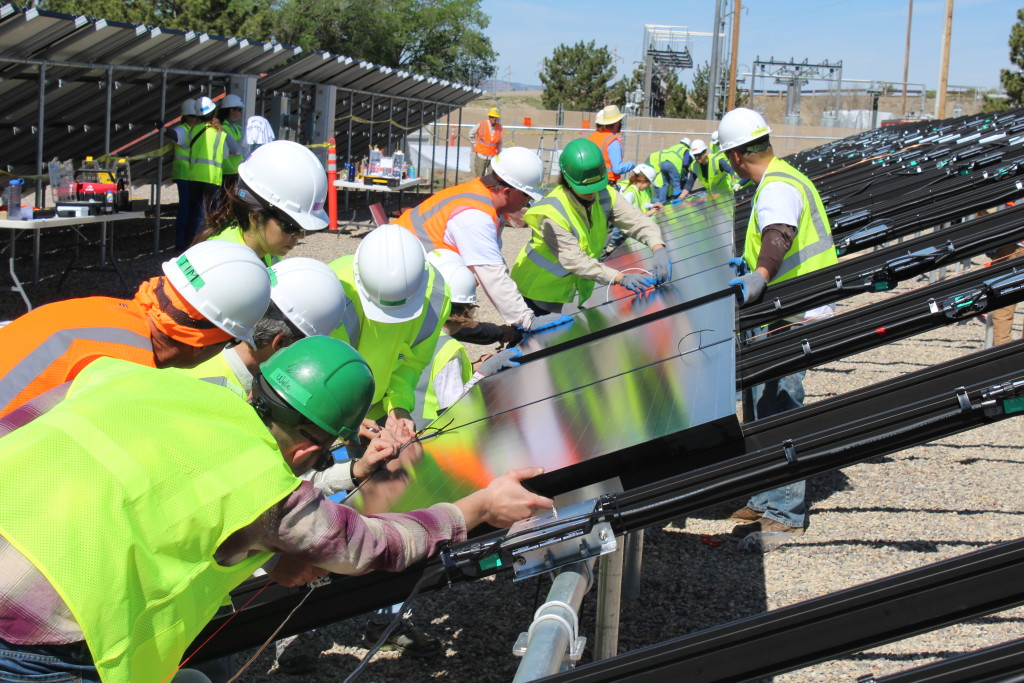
(14, 199)
(109, 207)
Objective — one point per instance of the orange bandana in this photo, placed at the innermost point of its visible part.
(175, 317)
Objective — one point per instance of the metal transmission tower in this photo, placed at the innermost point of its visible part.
(666, 48)
(794, 75)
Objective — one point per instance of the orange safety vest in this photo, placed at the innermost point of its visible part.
(488, 139)
(603, 138)
(52, 344)
(429, 220)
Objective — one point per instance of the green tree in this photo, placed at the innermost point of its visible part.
(577, 76)
(1012, 79)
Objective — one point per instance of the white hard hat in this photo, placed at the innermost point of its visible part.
(287, 176)
(308, 293)
(714, 137)
(204, 106)
(188, 108)
(231, 101)
(740, 126)
(457, 276)
(646, 171)
(521, 168)
(684, 141)
(225, 281)
(699, 146)
(391, 274)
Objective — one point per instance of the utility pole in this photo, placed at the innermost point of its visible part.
(940, 94)
(730, 102)
(508, 73)
(716, 48)
(906, 61)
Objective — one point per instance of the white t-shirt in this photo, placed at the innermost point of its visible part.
(472, 232)
(779, 202)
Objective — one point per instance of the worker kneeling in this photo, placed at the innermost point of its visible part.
(170, 492)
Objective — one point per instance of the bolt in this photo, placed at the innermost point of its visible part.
(603, 534)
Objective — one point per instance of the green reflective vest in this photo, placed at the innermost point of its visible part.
(206, 154)
(674, 154)
(397, 353)
(812, 248)
(712, 178)
(221, 367)
(230, 165)
(537, 272)
(179, 169)
(233, 233)
(156, 471)
(447, 348)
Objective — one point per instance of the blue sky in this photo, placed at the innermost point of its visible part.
(869, 36)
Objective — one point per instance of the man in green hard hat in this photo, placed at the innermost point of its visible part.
(171, 491)
(570, 226)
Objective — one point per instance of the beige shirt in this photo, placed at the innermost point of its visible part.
(564, 245)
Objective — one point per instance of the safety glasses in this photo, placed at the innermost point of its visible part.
(326, 458)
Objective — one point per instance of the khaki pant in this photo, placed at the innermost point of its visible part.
(480, 164)
(1002, 319)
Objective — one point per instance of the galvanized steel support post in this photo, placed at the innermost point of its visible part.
(555, 628)
(609, 597)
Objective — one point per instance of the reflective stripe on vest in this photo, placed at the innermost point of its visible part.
(179, 169)
(812, 248)
(445, 350)
(487, 138)
(155, 502)
(207, 156)
(434, 306)
(603, 139)
(429, 220)
(55, 346)
(232, 162)
(537, 272)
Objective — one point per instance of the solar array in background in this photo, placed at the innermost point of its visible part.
(582, 402)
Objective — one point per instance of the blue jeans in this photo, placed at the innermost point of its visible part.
(46, 663)
(670, 174)
(785, 504)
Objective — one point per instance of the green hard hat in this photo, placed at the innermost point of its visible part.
(582, 166)
(324, 380)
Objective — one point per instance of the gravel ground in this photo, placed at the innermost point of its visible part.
(868, 521)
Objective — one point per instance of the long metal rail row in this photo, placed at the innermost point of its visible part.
(694, 464)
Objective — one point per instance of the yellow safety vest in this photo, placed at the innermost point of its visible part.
(230, 165)
(233, 233)
(156, 471)
(537, 272)
(397, 353)
(812, 248)
(712, 178)
(643, 197)
(206, 154)
(219, 367)
(675, 154)
(179, 169)
(426, 398)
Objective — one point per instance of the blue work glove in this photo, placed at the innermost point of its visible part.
(739, 264)
(661, 265)
(636, 283)
(502, 360)
(544, 322)
(752, 286)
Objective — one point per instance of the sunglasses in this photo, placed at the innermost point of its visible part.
(287, 224)
(326, 459)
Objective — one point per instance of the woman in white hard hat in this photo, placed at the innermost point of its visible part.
(230, 115)
(279, 196)
(637, 189)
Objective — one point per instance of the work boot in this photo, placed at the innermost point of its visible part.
(766, 525)
(744, 514)
(406, 639)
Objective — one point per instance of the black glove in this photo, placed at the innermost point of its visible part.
(661, 265)
(752, 286)
(499, 361)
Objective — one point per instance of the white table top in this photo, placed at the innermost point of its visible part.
(402, 185)
(56, 222)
